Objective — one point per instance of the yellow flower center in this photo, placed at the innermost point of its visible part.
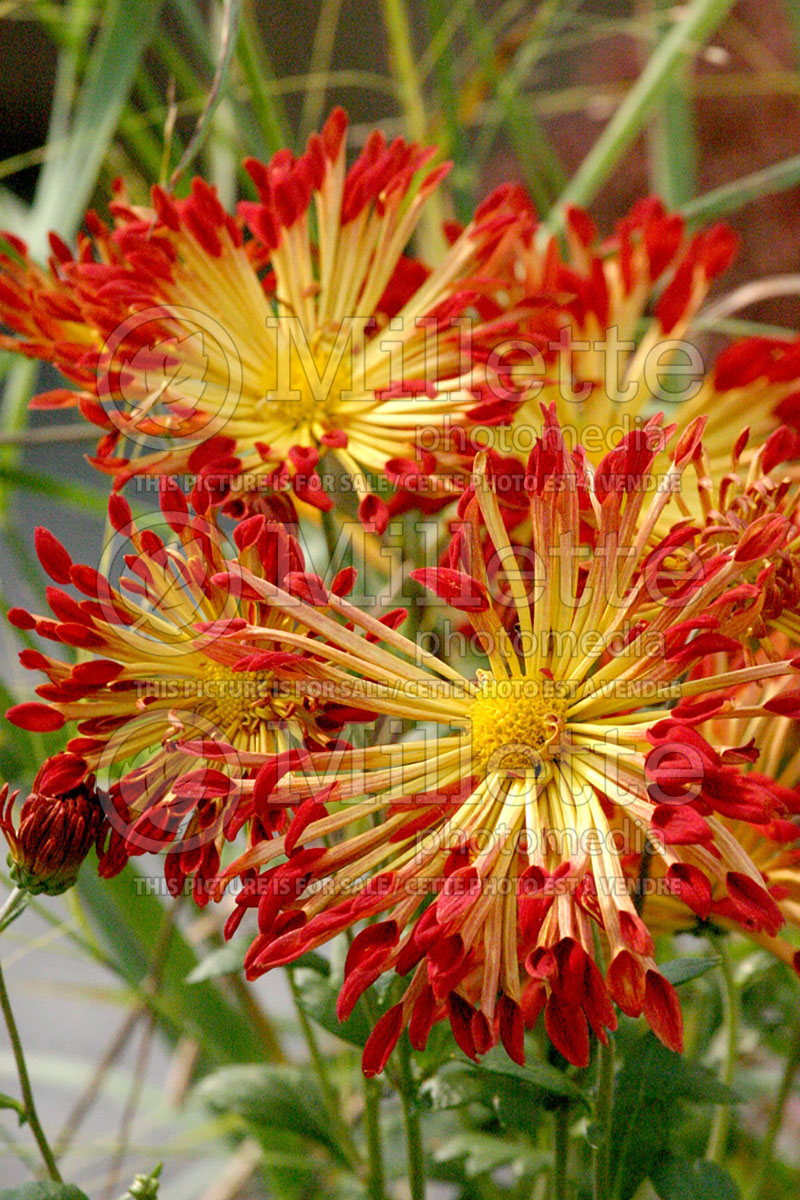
(311, 378)
(516, 724)
(240, 701)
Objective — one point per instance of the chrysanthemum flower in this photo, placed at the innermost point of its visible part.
(245, 349)
(759, 489)
(166, 662)
(605, 333)
(769, 749)
(486, 842)
(58, 824)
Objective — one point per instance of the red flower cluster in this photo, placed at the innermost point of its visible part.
(620, 707)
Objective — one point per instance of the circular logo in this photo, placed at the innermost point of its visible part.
(163, 601)
(189, 799)
(169, 372)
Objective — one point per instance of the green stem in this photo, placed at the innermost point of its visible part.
(776, 1120)
(405, 71)
(416, 1153)
(730, 1000)
(690, 31)
(560, 1151)
(31, 1115)
(602, 1120)
(329, 1095)
(16, 903)
(376, 1180)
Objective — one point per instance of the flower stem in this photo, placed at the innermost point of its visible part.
(31, 1115)
(730, 1000)
(602, 1119)
(16, 903)
(776, 1119)
(560, 1151)
(416, 1153)
(329, 1094)
(376, 1181)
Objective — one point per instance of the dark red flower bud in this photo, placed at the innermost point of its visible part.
(54, 834)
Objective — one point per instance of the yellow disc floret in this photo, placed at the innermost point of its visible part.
(238, 701)
(515, 724)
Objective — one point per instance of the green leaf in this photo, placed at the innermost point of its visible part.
(483, 1153)
(17, 1106)
(128, 917)
(676, 1178)
(225, 960)
(43, 1191)
(682, 970)
(272, 1100)
(317, 998)
(511, 1095)
(539, 1075)
(648, 1093)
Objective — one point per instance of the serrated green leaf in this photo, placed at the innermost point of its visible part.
(676, 1178)
(43, 1191)
(317, 998)
(539, 1075)
(225, 960)
(483, 1153)
(272, 1099)
(648, 1093)
(682, 970)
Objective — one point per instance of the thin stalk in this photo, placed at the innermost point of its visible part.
(14, 906)
(415, 1149)
(560, 1152)
(329, 1094)
(319, 64)
(376, 1179)
(31, 1114)
(720, 1125)
(602, 1119)
(765, 1157)
(733, 196)
(701, 18)
(404, 66)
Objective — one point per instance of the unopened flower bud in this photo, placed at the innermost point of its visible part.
(55, 831)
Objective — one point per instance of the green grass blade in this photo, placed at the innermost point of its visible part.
(404, 68)
(74, 495)
(539, 164)
(672, 136)
(229, 29)
(66, 184)
(273, 126)
(733, 196)
(700, 19)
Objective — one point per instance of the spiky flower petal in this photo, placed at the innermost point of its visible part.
(487, 839)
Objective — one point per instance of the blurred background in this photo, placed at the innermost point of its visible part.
(509, 90)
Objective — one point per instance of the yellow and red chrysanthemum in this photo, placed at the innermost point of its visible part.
(487, 842)
(168, 661)
(602, 333)
(244, 349)
(768, 748)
